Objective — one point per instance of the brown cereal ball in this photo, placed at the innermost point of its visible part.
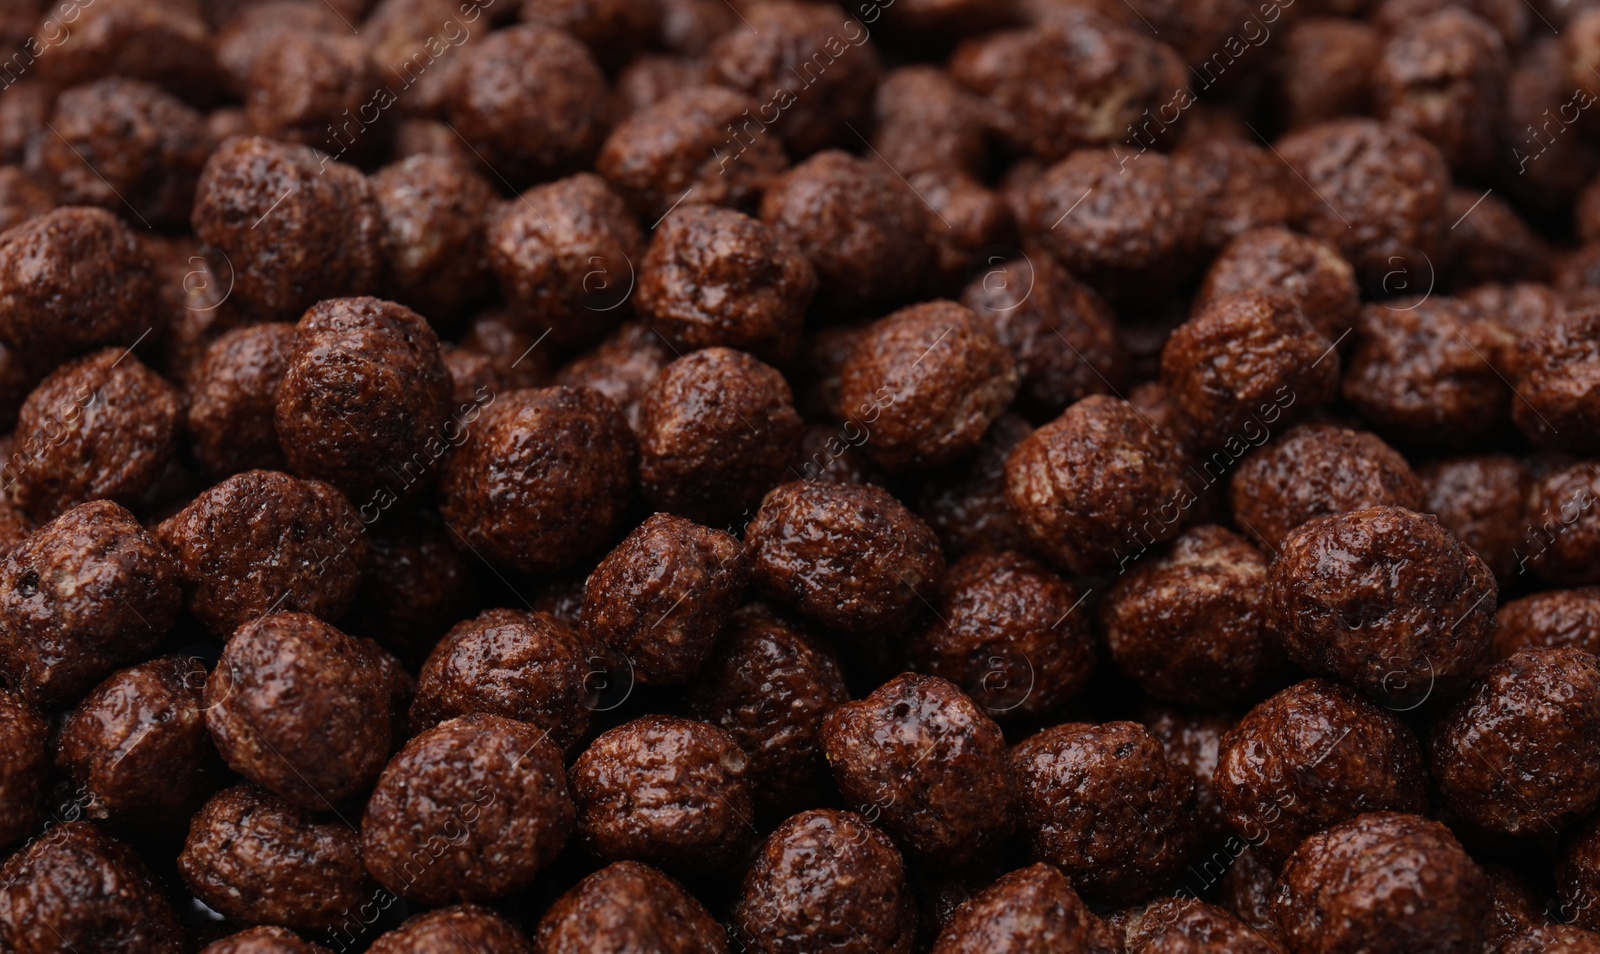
(1522, 307)
(1192, 741)
(1518, 753)
(1324, 70)
(716, 431)
(1191, 627)
(470, 810)
(24, 767)
(1083, 482)
(811, 65)
(1563, 526)
(925, 121)
(1386, 883)
(306, 87)
(262, 541)
(833, 452)
(972, 226)
(544, 480)
(653, 77)
(71, 280)
(433, 211)
(628, 906)
(850, 558)
(1577, 876)
(1307, 271)
(622, 367)
(1029, 911)
(1385, 599)
(85, 593)
(1549, 620)
(1103, 804)
(1246, 888)
(1558, 383)
(1013, 635)
(1080, 82)
(1061, 334)
(295, 228)
(138, 745)
(165, 44)
(195, 286)
(21, 197)
(1508, 17)
(1186, 926)
(1424, 373)
(427, 137)
(1443, 76)
(243, 37)
(826, 880)
(614, 29)
(768, 684)
(474, 380)
(1480, 501)
(714, 277)
(1318, 470)
(701, 145)
(1382, 199)
(23, 111)
(512, 348)
(966, 504)
(1553, 939)
(865, 232)
(1241, 363)
(418, 582)
(458, 929)
(1544, 173)
(1242, 187)
(232, 397)
(1491, 242)
(257, 858)
(77, 888)
(1311, 756)
(263, 940)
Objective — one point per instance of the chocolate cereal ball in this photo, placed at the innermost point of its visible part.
(1562, 535)
(22, 197)
(1383, 882)
(256, 858)
(628, 906)
(165, 44)
(262, 541)
(1517, 754)
(1480, 500)
(971, 224)
(1443, 76)
(1083, 483)
(1324, 70)
(1386, 599)
(24, 768)
(622, 367)
(1186, 926)
(85, 593)
(1192, 741)
(470, 810)
(543, 481)
(232, 396)
(1103, 804)
(1553, 939)
(1308, 271)
(1558, 383)
(926, 121)
(458, 929)
(826, 880)
(938, 376)
(263, 940)
(1549, 620)
(433, 212)
(510, 346)
(417, 584)
(850, 558)
(1242, 187)
(305, 87)
(1032, 910)
(1577, 877)
(966, 504)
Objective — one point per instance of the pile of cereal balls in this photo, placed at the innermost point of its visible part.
(775, 477)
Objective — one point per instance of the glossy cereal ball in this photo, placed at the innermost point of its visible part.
(263, 940)
(622, 367)
(24, 767)
(232, 396)
(417, 584)
(1550, 620)
(457, 929)
(966, 504)
(1184, 924)
(1577, 875)
(1030, 910)
(1308, 271)
(1557, 378)
(1562, 526)
(435, 252)
(925, 121)
(629, 906)
(1443, 76)
(1480, 500)
(1192, 741)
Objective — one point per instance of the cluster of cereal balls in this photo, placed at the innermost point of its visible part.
(760, 476)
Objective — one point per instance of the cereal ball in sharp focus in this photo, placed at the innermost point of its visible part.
(1324, 70)
(1192, 741)
(544, 479)
(79, 889)
(256, 858)
(1313, 755)
(565, 254)
(850, 558)
(24, 767)
(84, 594)
(1480, 500)
(71, 280)
(458, 929)
(768, 684)
(1186, 926)
(530, 101)
(1012, 634)
(684, 149)
(1386, 599)
(1307, 271)
(1443, 77)
(1318, 470)
(1032, 910)
(1519, 754)
(1103, 804)
(125, 146)
(1558, 383)
(232, 397)
(966, 504)
(263, 940)
(1550, 620)
(1562, 535)
(929, 761)
(667, 791)
(925, 122)
(364, 399)
(933, 379)
(1577, 877)
(714, 277)
(1386, 883)
(826, 880)
(1082, 484)
(471, 810)
(716, 431)
(622, 367)
(628, 906)
(300, 708)
(262, 541)
(433, 211)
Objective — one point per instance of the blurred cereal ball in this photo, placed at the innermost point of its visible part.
(1006, 275)
(1007, 682)
(607, 284)
(1407, 277)
(608, 683)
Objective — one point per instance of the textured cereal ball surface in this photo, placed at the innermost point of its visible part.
(937, 377)
(1242, 187)
(458, 929)
(1558, 381)
(1518, 753)
(714, 277)
(484, 798)
(24, 767)
(78, 888)
(922, 749)
(255, 858)
(418, 583)
(84, 594)
(1480, 500)
(261, 541)
(544, 479)
(1550, 620)
(305, 85)
(1029, 911)
(1187, 926)
(1553, 939)
(1193, 741)
(1383, 882)
(1443, 77)
(103, 426)
(232, 397)
(622, 367)
(1577, 875)
(1562, 526)
(300, 708)
(628, 906)
(364, 398)
(1103, 804)
(436, 255)
(1386, 599)
(926, 121)
(1308, 271)
(263, 940)
(826, 879)
(850, 558)
(1083, 482)
(966, 504)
